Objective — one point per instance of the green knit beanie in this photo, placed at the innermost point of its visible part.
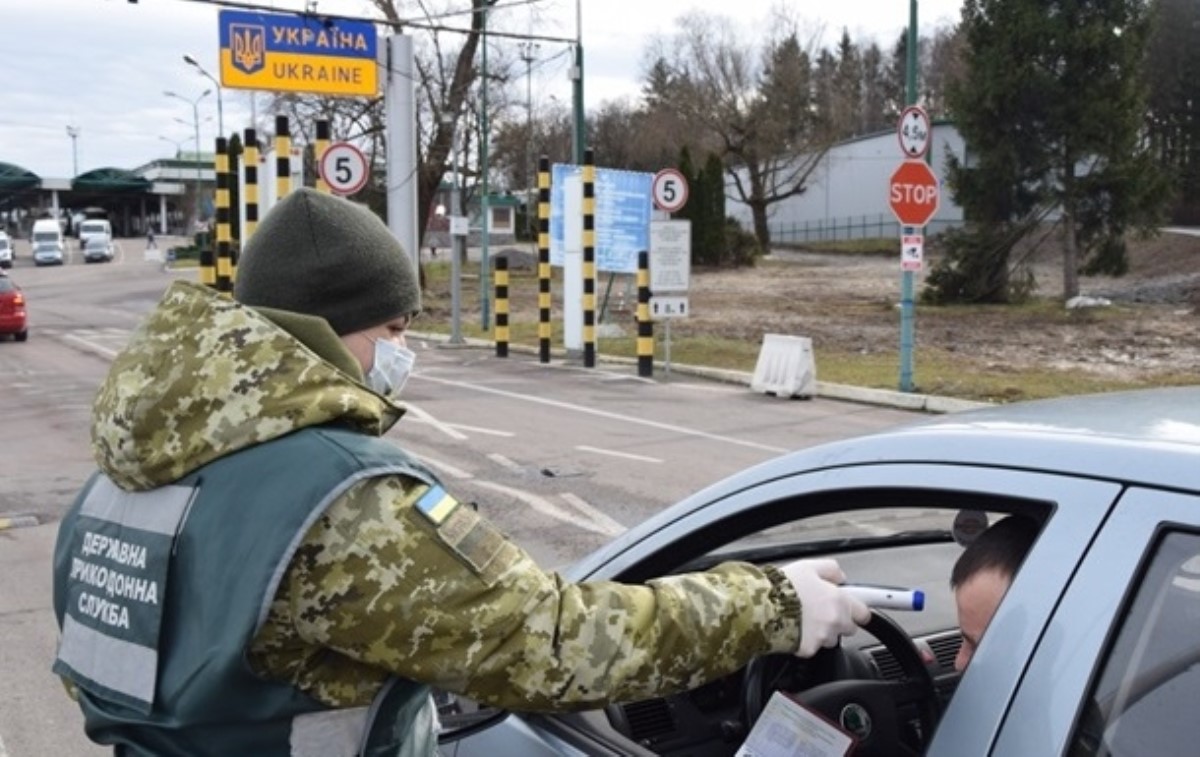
(321, 255)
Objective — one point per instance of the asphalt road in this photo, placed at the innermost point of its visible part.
(561, 457)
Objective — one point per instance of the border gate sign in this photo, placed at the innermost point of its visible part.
(622, 219)
(294, 53)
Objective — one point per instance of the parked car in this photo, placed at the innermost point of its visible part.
(6, 251)
(99, 247)
(13, 319)
(1093, 651)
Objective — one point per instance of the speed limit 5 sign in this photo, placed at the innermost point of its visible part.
(344, 168)
(670, 190)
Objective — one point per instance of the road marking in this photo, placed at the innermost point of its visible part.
(91, 346)
(504, 462)
(601, 519)
(3, 751)
(479, 430)
(548, 508)
(446, 468)
(425, 417)
(610, 416)
(614, 453)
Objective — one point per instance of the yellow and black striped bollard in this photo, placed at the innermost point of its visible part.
(589, 259)
(501, 274)
(250, 191)
(224, 278)
(319, 149)
(645, 330)
(543, 180)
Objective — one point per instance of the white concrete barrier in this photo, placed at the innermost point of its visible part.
(785, 367)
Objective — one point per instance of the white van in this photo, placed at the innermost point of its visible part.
(47, 240)
(94, 227)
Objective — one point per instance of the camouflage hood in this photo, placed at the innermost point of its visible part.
(205, 376)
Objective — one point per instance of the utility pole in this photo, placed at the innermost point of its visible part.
(528, 50)
(196, 127)
(577, 87)
(73, 133)
(216, 86)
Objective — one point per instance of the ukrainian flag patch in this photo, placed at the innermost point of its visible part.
(436, 505)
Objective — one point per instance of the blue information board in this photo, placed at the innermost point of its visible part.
(622, 223)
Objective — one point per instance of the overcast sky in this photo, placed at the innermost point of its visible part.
(102, 65)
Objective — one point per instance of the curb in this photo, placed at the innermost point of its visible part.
(927, 403)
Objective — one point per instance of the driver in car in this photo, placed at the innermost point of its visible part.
(254, 570)
(981, 577)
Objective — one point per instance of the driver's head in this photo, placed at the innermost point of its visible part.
(981, 577)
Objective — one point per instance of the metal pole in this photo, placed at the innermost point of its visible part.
(906, 277)
(527, 49)
(73, 133)
(196, 126)
(457, 245)
(485, 213)
(577, 87)
(216, 86)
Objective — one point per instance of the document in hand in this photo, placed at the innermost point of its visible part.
(787, 728)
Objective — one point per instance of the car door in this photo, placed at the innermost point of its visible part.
(1074, 508)
(1116, 670)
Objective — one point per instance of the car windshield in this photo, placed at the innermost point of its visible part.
(45, 236)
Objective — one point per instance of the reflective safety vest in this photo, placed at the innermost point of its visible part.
(159, 595)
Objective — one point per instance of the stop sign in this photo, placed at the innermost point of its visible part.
(913, 193)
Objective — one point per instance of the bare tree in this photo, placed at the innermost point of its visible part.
(755, 105)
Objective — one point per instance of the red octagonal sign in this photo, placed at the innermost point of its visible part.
(913, 193)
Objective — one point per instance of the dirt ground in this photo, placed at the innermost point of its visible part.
(850, 302)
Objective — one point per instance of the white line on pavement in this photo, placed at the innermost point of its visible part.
(479, 430)
(614, 453)
(92, 346)
(446, 468)
(3, 751)
(611, 416)
(612, 527)
(504, 462)
(546, 507)
(425, 417)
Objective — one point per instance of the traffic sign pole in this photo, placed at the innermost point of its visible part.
(907, 314)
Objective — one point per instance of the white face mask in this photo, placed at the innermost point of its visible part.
(391, 367)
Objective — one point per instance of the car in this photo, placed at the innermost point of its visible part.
(47, 253)
(1094, 649)
(98, 247)
(6, 251)
(94, 227)
(13, 318)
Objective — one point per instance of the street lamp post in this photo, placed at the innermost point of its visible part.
(73, 133)
(196, 127)
(216, 86)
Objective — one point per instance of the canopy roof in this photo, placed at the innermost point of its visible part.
(110, 180)
(17, 179)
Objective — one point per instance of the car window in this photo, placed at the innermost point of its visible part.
(6, 284)
(1145, 697)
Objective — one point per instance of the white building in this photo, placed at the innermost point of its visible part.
(847, 193)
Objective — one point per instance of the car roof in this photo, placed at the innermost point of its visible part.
(1147, 437)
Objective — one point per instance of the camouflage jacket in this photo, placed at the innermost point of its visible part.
(377, 588)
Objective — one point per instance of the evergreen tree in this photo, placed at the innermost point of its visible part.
(1051, 108)
(1173, 120)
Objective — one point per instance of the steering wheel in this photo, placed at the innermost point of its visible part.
(870, 709)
